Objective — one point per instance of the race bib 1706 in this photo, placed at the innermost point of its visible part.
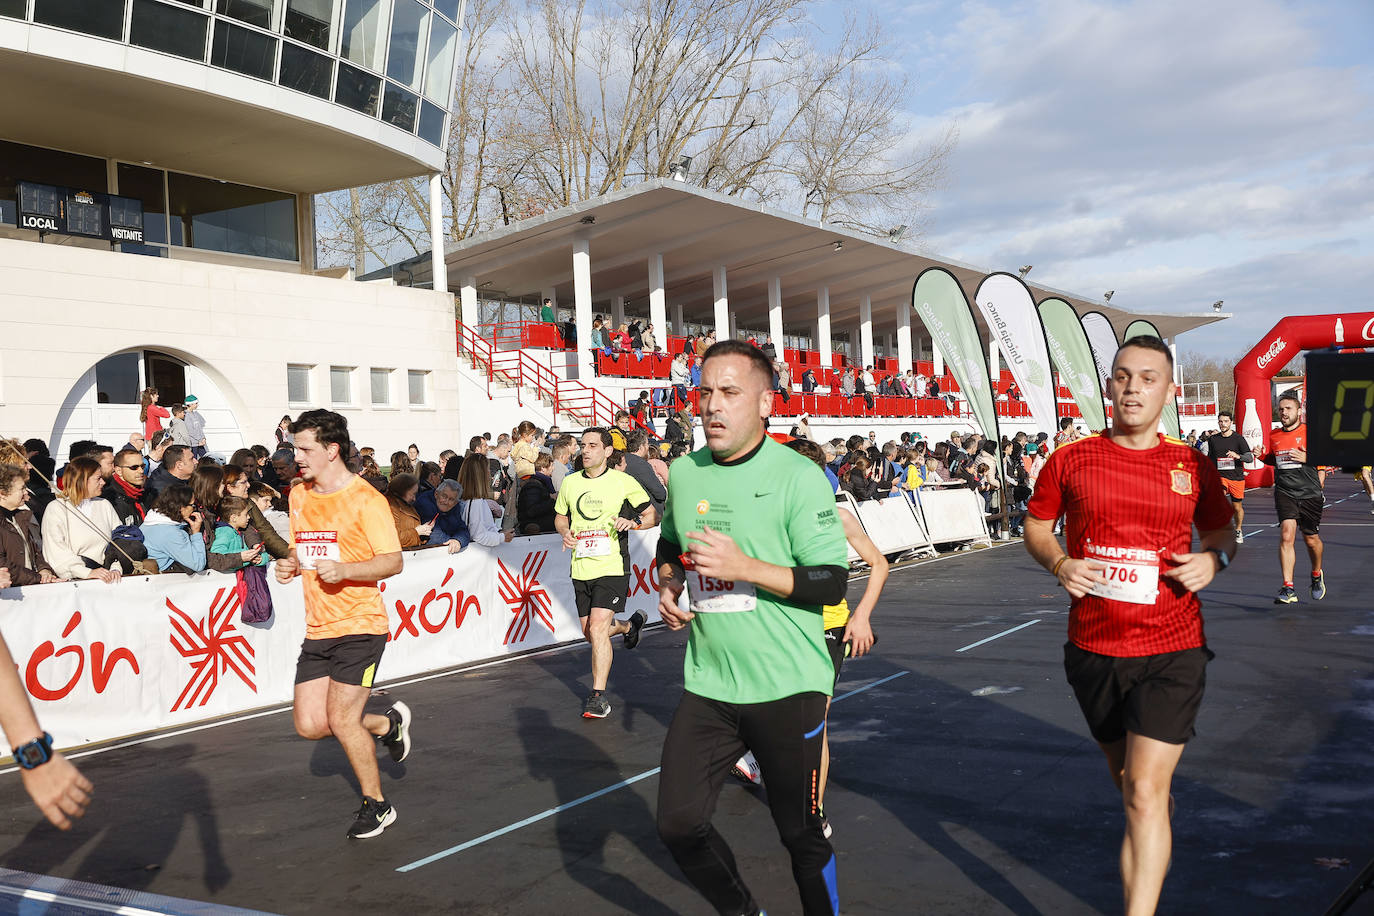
(313, 546)
(1132, 574)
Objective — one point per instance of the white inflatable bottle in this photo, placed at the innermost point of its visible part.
(1253, 432)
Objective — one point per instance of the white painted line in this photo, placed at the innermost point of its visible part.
(79, 903)
(974, 645)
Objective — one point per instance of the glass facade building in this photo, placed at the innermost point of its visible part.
(392, 60)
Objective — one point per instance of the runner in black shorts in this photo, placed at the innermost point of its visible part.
(595, 507)
(1298, 498)
(1137, 654)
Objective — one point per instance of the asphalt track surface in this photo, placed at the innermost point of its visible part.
(965, 784)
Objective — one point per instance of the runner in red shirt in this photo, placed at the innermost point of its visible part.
(1136, 656)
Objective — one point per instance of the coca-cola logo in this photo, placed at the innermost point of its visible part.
(1267, 356)
(1367, 332)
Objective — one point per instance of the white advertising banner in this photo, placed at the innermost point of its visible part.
(1102, 339)
(107, 661)
(1013, 319)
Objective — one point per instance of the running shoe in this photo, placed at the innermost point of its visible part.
(397, 740)
(596, 706)
(637, 620)
(1318, 586)
(747, 769)
(1240, 536)
(825, 823)
(1287, 595)
(373, 817)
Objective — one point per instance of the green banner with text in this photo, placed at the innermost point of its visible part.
(940, 301)
(1073, 357)
(1141, 327)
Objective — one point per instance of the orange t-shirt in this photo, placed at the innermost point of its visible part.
(350, 525)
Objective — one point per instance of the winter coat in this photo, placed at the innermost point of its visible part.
(171, 541)
(67, 539)
(20, 550)
(229, 543)
(535, 502)
(407, 519)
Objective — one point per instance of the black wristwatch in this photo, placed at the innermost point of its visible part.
(1223, 560)
(34, 754)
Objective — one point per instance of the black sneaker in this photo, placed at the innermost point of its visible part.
(637, 620)
(1287, 595)
(397, 740)
(1318, 586)
(596, 706)
(373, 817)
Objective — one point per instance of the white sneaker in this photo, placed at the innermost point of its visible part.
(747, 769)
(1240, 536)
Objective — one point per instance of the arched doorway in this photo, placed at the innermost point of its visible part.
(103, 404)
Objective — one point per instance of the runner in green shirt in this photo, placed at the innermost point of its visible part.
(595, 507)
(751, 533)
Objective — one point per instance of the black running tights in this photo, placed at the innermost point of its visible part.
(703, 743)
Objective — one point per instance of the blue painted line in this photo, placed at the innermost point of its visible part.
(544, 815)
(815, 731)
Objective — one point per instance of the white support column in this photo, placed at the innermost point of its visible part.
(678, 323)
(658, 310)
(467, 303)
(939, 358)
(994, 368)
(438, 267)
(1178, 370)
(722, 303)
(904, 336)
(582, 304)
(775, 314)
(618, 311)
(887, 346)
(823, 326)
(866, 330)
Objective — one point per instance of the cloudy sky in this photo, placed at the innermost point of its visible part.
(1176, 151)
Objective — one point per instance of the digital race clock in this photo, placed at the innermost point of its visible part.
(1340, 409)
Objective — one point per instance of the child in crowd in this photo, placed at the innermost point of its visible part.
(933, 473)
(181, 433)
(230, 532)
(263, 495)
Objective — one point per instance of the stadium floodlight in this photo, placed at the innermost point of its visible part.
(896, 232)
(1107, 296)
(1216, 306)
(678, 169)
(1025, 270)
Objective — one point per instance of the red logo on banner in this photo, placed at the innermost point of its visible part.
(102, 665)
(457, 605)
(213, 646)
(524, 595)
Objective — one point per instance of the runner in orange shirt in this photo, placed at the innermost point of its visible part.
(343, 543)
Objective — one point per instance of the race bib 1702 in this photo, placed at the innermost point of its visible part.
(313, 546)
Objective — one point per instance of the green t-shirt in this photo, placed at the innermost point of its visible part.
(779, 508)
(592, 505)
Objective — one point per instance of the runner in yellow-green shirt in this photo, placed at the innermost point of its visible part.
(595, 507)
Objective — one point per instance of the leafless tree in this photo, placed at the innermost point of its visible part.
(561, 101)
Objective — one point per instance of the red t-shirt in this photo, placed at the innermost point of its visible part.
(1132, 508)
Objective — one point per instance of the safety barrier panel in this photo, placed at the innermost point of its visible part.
(953, 515)
(893, 525)
(107, 661)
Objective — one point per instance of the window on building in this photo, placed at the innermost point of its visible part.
(170, 29)
(19, 162)
(243, 50)
(116, 379)
(305, 71)
(103, 18)
(398, 108)
(406, 53)
(357, 90)
(298, 384)
(364, 32)
(145, 185)
(253, 12)
(431, 123)
(234, 218)
(443, 44)
(381, 387)
(15, 9)
(341, 385)
(418, 382)
(309, 21)
(449, 8)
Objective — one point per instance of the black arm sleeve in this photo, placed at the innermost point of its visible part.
(668, 552)
(816, 584)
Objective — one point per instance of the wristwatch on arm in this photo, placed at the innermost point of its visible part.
(1223, 560)
(35, 753)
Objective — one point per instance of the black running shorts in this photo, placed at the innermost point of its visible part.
(837, 647)
(1156, 696)
(1308, 511)
(346, 659)
(608, 592)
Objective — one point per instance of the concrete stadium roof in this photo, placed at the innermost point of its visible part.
(697, 230)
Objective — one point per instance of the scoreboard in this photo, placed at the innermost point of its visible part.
(1340, 409)
(72, 211)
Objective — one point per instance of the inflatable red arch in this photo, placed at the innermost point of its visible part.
(1275, 350)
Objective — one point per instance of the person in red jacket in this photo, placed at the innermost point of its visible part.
(150, 414)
